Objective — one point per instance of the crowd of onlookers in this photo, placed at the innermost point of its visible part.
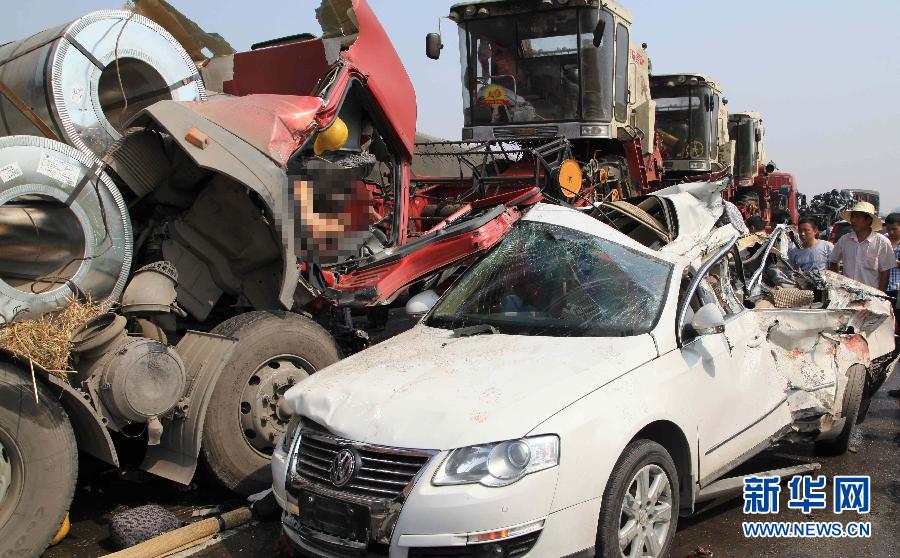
(863, 253)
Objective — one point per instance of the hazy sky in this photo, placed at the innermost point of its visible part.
(825, 75)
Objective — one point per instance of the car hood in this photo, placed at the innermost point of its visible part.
(426, 389)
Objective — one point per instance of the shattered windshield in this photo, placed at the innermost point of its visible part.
(683, 121)
(530, 67)
(549, 280)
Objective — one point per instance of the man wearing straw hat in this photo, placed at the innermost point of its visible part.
(868, 257)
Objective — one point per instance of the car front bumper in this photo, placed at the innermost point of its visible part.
(439, 520)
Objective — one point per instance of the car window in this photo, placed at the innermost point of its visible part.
(549, 280)
(721, 285)
(726, 285)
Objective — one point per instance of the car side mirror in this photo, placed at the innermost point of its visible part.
(420, 304)
(708, 320)
(433, 45)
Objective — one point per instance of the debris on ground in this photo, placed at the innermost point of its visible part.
(700, 552)
(140, 524)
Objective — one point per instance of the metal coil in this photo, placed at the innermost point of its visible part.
(64, 229)
(84, 80)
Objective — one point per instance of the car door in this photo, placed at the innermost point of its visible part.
(734, 388)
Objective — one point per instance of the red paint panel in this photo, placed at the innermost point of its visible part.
(277, 125)
(289, 69)
(374, 55)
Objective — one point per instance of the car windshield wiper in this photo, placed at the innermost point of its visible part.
(474, 330)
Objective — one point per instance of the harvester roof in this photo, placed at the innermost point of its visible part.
(753, 115)
(682, 78)
(611, 5)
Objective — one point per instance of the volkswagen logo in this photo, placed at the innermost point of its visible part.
(344, 467)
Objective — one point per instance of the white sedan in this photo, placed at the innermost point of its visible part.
(578, 389)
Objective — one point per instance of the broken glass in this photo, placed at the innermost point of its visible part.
(549, 280)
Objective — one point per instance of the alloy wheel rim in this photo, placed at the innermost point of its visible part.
(645, 514)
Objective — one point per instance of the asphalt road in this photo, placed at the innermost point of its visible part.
(716, 530)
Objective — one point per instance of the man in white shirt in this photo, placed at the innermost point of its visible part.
(868, 257)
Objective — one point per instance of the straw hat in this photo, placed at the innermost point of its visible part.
(863, 207)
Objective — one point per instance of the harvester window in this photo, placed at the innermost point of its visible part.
(537, 67)
(596, 64)
(622, 45)
(714, 127)
(683, 121)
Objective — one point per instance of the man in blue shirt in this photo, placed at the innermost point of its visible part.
(892, 224)
(814, 252)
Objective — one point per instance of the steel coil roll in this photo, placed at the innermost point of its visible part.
(74, 78)
(64, 229)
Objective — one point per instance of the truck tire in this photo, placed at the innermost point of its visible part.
(39, 463)
(856, 385)
(274, 351)
(649, 522)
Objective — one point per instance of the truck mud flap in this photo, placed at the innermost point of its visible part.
(90, 430)
(175, 458)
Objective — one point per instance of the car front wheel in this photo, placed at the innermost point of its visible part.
(639, 513)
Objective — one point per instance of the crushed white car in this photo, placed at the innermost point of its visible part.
(579, 388)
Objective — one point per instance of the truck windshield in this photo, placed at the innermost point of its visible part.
(538, 67)
(683, 121)
(554, 281)
(745, 156)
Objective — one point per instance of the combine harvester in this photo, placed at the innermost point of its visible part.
(759, 188)
(692, 125)
(541, 74)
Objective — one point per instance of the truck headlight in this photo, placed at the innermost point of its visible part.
(498, 464)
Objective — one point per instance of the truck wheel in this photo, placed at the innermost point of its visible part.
(639, 513)
(38, 464)
(856, 384)
(274, 351)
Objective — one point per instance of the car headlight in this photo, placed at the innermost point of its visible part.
(293, 427)
(498, 464)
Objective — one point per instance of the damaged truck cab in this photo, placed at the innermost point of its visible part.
(259, 222)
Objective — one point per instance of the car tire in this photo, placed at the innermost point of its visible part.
(644, 462)
(243, 423)
(853, 394)
(39, 464)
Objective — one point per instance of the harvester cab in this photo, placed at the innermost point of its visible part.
(559, 68)
(748, 133)
(759, 189)
(692, 124)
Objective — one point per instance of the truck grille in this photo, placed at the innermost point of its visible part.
(384, 474)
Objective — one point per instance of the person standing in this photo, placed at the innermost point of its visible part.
(868, 257)
(814, 253)
(892, 224)
(756, 225)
